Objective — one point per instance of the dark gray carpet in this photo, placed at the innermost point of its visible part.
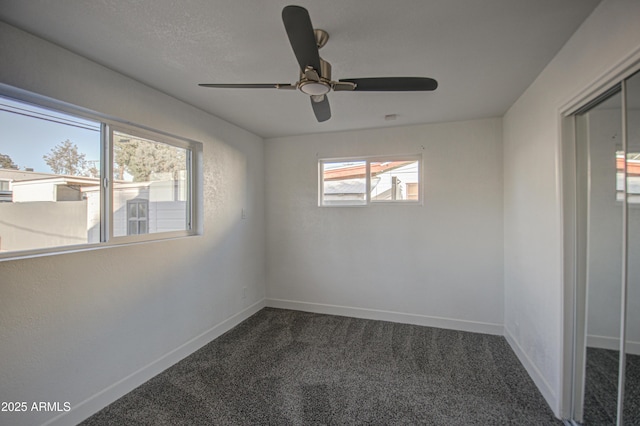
(601, 388)
(284, 367)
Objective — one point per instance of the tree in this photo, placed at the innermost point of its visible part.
(64, 159)
(91, 168)
(7, 163)
(145, 160)
(124, 153)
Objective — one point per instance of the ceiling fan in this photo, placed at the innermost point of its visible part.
(315, 72)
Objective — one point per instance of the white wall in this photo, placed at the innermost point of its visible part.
(35, 191)
(532, 208)
(438, 264)
(87, 327)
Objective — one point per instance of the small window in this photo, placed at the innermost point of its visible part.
(359, 182)
(6, 195)
(137, 217)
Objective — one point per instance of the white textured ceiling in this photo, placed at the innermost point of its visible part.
(484, 53)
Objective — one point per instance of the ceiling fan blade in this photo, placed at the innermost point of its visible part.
(392, 84)
(303, 41)
(321, 107)
(250, 86)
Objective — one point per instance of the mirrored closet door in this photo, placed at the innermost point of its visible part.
(631, 406)
(608, 195)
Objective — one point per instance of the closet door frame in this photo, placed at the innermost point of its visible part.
(573, 220)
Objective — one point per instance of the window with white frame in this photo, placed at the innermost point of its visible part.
(364, 181)
(78, 180)
(137, 216)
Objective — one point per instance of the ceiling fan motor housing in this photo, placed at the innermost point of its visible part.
(316, 82)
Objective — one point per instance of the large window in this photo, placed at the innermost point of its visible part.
(364, 181)
(71, 180)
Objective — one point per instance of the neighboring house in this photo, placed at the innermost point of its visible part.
(46, 210)
(55, 188)
(9, 176)
(142, 207)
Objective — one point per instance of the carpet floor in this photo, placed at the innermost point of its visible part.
(283, 367)
(601, 388)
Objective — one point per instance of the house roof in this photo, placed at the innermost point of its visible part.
(633, 166)
(346, 186)
(19, 175)
(61, 180)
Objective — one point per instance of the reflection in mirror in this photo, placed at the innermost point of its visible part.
(602, 138)
(631, 413)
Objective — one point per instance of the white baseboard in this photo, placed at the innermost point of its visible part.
(96, 402)
(612, 343)
(376, 314)
(541, 383)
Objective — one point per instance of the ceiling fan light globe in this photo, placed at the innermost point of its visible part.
(314, 88)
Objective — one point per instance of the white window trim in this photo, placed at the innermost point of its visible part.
(368, 160)
(108, 124)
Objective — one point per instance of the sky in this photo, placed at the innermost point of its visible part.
(27, 133)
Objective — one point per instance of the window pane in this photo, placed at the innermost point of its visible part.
(344, 183)
(154, 172)
(133, 210)
(49, 169)
(133, 227)
(395, 180)
(142, 210)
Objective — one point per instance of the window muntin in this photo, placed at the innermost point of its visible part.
(58, 182)
(364, 181)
